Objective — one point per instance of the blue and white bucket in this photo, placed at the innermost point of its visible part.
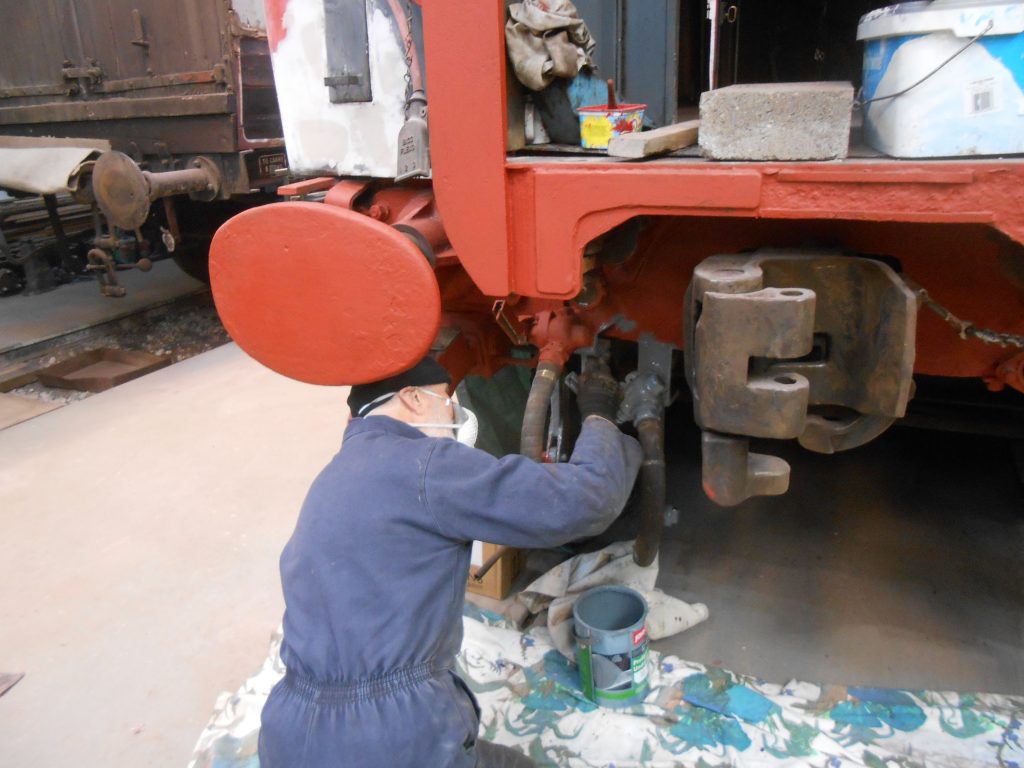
(611, 645)
(958, 69)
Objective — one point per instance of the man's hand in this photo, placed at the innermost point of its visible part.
(598, 395)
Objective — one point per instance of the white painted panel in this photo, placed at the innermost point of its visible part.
(346, 139)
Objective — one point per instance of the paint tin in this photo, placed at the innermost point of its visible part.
(600, 123)
(611, 645)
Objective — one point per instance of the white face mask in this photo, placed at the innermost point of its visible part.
(465, 427)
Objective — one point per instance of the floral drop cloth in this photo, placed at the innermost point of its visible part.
(694, 715)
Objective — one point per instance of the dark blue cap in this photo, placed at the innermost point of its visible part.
(425, 373)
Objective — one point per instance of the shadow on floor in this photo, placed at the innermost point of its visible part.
(900, 563)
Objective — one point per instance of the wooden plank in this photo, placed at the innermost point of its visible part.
(306, 186)
(120, 109)
(666, 139)
(14, 409)
(32, 142)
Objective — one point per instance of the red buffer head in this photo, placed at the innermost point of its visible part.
(322, 294)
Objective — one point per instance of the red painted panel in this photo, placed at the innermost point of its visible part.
(465, 54)
(522, 228)
(568, 214)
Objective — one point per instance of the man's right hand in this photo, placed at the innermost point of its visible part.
(598, 395)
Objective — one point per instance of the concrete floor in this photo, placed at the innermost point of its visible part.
(141, 532)
(142, 529)
(899, 564)
(27, 320)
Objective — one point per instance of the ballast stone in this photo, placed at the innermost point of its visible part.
(776, 121)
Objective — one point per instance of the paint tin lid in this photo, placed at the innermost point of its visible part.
(605, 109)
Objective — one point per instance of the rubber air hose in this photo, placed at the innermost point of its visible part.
(651, 433)
(535, 418)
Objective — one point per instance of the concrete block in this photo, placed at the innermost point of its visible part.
(776, 121)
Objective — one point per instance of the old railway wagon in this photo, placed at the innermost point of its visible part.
(788, 300)
(132, 105)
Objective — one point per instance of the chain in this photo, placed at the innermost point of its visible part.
(964, 328)
(408, 52)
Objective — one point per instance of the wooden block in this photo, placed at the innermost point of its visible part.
(647, 143)
(100, 369)
(496, 582)
(516, 106)
(306, 186)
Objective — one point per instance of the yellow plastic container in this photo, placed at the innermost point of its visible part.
(599, 124)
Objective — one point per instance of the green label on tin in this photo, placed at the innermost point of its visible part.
(586, 672)
(639, 664)
(626, 695)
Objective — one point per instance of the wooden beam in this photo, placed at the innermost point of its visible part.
(666, 139)
(19, 142)
(120, 109)
(17, 376)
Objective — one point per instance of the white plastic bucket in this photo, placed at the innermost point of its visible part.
(973, 105)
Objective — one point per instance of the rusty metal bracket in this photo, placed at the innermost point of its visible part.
(840, 432)
(105, 268)
(124, 191)
(735, 328)
(139, 28)
(788, 344)
(730, 473)
(510, 324)
(93, 74)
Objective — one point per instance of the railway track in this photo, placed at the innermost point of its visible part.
(178, 329)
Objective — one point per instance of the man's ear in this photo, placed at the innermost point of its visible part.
(413, 400)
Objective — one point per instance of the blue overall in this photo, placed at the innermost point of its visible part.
(374, 579)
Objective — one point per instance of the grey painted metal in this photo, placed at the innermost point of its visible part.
(651, 57)
(348, 51)
(638, 47)
(656, 358)
(604, 18)
(414, 140)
